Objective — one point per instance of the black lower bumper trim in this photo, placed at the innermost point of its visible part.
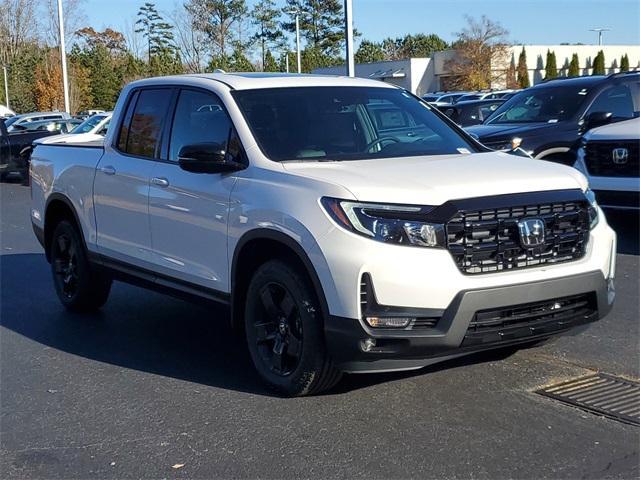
(355, 347)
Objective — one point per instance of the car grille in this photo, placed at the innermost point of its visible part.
(560, 311)
(488, 240)
(598, 158)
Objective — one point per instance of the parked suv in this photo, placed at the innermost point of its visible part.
(550, 117)
(610, 158)
(349, 225)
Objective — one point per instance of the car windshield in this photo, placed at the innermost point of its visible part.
(10, 121)
(89, 124)
(345, 123)
(551, 105)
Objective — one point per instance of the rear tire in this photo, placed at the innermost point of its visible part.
(79, 287)
(284, 332)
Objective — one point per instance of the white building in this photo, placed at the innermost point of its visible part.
(422, 75)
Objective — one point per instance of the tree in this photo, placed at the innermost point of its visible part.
(522, 70)
(369, 52)
(321, 24)
(190, 42)
(265, 18)
(159, 34)
(48, 83)
(598, 64)
(421, 45)
(269, 64)
(551, 68)
(624, 63)
(239, 63)
(112, 40)
(574, 66)
(512, 81)
(216, 19)
(481, 55)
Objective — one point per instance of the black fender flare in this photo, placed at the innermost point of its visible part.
(293, 245)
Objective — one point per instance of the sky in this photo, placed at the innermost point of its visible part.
(541, 22)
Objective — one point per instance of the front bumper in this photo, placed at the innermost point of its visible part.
(355, 347)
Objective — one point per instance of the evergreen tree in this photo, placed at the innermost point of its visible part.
(269, 64)
(598, 64)
(158, 33)
(523, 71)
(265, 18)
(321, 24)
(624, 63)
(551, 69)
(574, 66)
(239, 63)
(421, 45)
(369, 52)
(511, 80)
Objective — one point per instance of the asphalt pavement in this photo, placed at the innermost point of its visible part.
(153, 387)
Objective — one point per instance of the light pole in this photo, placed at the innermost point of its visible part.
(63, 57)
(348, 20)
(600, 30)
(6, 85)
(297, 15)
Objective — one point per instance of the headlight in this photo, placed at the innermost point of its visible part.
(399, 224)
(593, 208)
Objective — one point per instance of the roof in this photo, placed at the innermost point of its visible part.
(251, 81)
(585, 80)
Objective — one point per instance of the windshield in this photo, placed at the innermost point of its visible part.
(89, 124)
(553, 104)
(10, 121)
(345, 123)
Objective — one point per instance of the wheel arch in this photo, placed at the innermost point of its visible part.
(58, 208)
(254, 248)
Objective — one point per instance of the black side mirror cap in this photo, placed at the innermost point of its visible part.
(206, 158)
(595, 119)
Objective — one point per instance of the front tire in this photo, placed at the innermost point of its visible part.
(284, 331)
(79, 287)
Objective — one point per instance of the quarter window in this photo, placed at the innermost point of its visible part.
(616, 100)
(199, 118)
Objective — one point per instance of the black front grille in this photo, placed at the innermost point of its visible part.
(559, 311)
(599, 159)
(488, 239)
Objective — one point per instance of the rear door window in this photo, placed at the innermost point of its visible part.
(146, 123)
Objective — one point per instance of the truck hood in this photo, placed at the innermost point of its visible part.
(490, 131)
(433, 180)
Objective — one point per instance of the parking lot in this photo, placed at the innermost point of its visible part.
(158, 388)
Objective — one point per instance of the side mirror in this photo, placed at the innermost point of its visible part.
(596, 119)
(206, 158)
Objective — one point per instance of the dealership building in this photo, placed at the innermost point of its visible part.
(423, 75)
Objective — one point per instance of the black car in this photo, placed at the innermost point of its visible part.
(550, 117)
(471, 113)
(15, 145)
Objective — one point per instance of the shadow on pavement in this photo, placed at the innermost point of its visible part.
(627, 226)
(149, 332)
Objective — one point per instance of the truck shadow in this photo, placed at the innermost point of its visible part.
(145, 331)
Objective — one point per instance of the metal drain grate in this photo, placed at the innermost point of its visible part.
(604, 394)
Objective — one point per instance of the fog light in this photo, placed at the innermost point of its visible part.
(388, 322)
(368, 344)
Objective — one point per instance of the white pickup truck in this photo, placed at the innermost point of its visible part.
(349, 226)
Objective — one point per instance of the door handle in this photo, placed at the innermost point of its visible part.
(108, 170)
(160, 181)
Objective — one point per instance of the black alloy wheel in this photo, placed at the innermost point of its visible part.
(278, 331)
